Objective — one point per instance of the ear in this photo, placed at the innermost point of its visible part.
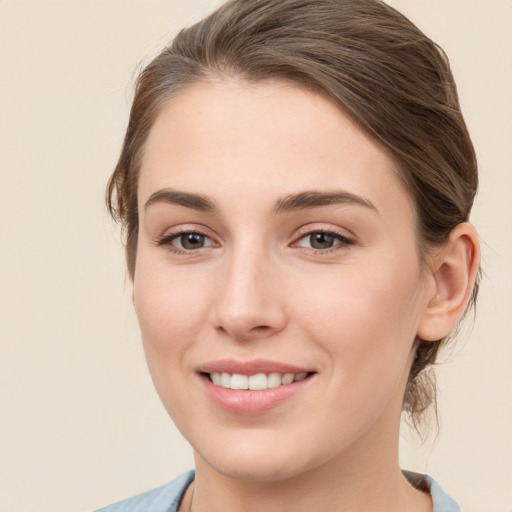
(453, 272)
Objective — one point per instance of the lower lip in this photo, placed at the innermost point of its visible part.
(252, 402)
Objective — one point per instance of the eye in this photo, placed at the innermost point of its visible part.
(185, 241)
(323, 240)
(190, 241)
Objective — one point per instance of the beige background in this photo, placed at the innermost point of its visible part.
(80, 424)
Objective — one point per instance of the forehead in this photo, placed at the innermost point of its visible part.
(269, 138)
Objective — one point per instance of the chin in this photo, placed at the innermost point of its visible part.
(256, 461)
(254, 470)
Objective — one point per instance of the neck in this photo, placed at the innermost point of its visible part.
(365, 478)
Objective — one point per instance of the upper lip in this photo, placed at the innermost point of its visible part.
(251, 367)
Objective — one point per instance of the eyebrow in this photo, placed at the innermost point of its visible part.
(188, 200)
(302, 201)
(316, 199)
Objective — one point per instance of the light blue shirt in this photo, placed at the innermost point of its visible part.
(167, 497)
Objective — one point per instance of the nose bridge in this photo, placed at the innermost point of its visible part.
(248, 304)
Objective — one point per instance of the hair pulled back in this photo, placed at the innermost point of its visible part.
(364, 56)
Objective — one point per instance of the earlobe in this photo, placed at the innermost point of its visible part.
(454, 270)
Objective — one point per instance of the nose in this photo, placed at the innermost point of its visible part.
(249, 305)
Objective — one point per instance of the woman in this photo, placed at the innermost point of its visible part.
(295, 186)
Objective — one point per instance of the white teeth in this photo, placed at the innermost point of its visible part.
(255, 382)
(258, 381)
(225, 380)
(287, 378)
(239, 381)
(274, 380)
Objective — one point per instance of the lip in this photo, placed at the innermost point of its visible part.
(251, 367)
(248, 402)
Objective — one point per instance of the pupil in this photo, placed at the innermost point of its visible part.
(192, 241)
(322, 241)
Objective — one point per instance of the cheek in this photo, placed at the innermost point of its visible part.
(366, 315)
(365, 324)
(172, 310)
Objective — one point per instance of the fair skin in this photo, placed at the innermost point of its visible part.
(276, 237)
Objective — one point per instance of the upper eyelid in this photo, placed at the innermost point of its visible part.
(342, 233)
(187, 228)
(168, 237)
(323, 230)
(177, 234)
(342, 238)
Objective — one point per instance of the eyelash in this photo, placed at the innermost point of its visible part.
(166, 241)
(343, 241)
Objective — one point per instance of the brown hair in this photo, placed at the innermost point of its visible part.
(365, 57)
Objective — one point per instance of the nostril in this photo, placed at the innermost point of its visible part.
(242, 322)
(260, 328)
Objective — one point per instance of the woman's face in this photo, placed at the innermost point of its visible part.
(275, 239)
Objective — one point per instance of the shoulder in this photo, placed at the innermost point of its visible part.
(442, 502)
(165, 498)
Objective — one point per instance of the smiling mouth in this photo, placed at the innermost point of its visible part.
(256, 382)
